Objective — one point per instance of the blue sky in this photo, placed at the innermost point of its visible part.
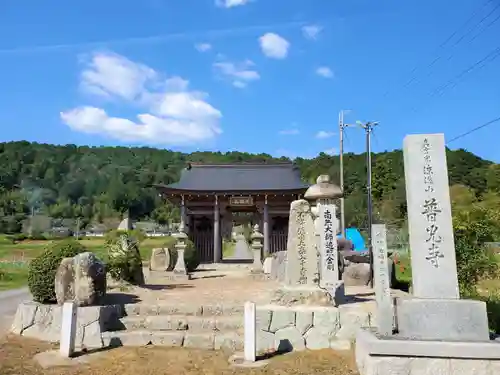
(257, 76)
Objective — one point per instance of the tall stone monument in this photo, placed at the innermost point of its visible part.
(436, 311)
(309, 258)
(436, 331)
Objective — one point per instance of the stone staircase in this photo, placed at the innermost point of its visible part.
(210, 327)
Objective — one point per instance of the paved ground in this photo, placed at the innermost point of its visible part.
(8, 306)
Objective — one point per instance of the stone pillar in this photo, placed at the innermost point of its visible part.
(256, 238)
(265, 225)
(217, 237)
(183, 212)
(326, 225)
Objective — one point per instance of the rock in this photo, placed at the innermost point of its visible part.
(267, 265)
(278, 266)
(356, 274)
(160, 259)
(81, 279)
(265, 341)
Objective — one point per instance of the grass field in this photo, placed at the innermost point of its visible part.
(14, 258)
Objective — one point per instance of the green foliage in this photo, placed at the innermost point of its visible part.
(42, 269)
(135, 235)
(191, 257)
(474, 224)
(99, 183)
(124, 259)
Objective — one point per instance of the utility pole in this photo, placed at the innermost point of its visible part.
(342, 126)
(369, 129)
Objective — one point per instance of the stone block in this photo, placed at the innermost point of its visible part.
(340, 344)
(289, 339)
(440, 319)
(303, 320)
(266, 266)
(316, 339)
(228, 341)
(199, 340)
(327, 320)
(172, 338)
(263, 317)
(282, 318)
(265, 341)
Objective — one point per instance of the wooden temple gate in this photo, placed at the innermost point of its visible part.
(208, 195)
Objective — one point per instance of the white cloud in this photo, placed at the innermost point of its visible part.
(172, 114)
(324, 134)
(324, 71)
(231, 3)
(292, 131)
(203, 47)
(240, 73)
(332, 151)
(311, 31)
(109, 74)
(274, 46)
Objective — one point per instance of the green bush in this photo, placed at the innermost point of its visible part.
(112, 236)
(124, 259)
(42, 269)
(191, 258)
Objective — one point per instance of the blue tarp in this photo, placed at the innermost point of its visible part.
(356, 238)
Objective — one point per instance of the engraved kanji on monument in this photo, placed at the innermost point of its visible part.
(432, 244)
(435, 312)
(385, 315)
(302, 265)
(329, 259)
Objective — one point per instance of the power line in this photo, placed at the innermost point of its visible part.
(473, 130)
(490, 57)
(446, 41)
(429, 73)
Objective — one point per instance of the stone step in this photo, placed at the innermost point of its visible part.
(228, 340)
(181, 323)
(183, 309)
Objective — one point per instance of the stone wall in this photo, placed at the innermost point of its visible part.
(311, 327)
(43, 322)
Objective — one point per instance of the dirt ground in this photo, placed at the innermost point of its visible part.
(16, 358)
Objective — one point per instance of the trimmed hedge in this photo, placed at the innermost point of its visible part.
(42, 270)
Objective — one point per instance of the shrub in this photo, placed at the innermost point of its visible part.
(191, 257)
(42, 269)
(124, 259)
(112, 236)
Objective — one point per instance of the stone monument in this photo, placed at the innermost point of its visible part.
(305, 254)
(435, 329)
(327, 224)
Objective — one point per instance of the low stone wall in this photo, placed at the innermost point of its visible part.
(43, 322)
(312, 327)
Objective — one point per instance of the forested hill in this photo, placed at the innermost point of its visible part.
(97, 183)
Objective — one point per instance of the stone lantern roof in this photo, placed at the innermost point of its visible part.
(323, 189)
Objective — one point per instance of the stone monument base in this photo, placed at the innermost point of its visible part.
(177, 276)
(442, 319)
(306, 295)
(392, 355)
